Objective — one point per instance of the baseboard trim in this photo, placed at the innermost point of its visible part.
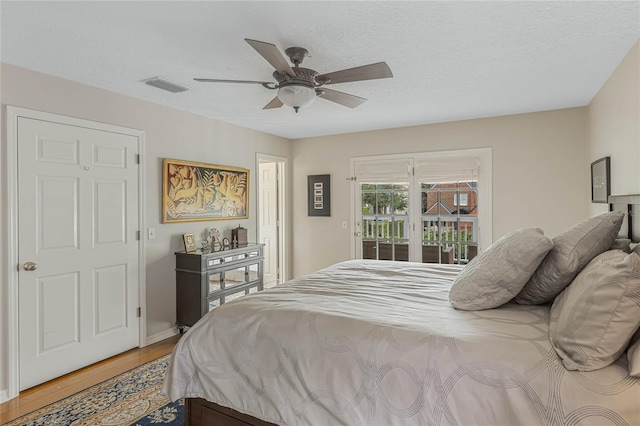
(155, 338)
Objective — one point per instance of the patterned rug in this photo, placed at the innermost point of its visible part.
(131, 398)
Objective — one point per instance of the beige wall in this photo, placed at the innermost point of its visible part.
(540, 165)
(169, 134)
(614, 126)
(540, 174)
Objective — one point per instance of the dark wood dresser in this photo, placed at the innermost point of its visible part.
(207, 279)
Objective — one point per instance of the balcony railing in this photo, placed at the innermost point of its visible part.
(445, 238)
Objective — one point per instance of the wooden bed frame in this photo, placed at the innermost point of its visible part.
(200, 412)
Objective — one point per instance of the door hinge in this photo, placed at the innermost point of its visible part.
(137, 158)
(139, 312)
(138, 235)
(352, 178)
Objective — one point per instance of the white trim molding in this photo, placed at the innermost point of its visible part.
(282, 207)
(162, 335)
(9, 345)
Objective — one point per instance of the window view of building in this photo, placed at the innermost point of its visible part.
(450, 222)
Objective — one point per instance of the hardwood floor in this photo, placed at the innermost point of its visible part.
(56, 389)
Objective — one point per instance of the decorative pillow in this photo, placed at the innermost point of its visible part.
(593, 320)
(494, 277)
(633, 351)
(571, 251)
(623, 244)
(633, 354)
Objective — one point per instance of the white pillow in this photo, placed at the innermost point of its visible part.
(494, 277)
(571, 251)
(593, 320)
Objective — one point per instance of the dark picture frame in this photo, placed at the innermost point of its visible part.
(193, 191)
(319, 195)
(601, 180)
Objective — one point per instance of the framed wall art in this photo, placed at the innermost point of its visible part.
(197, 191)
(600, 180)
(319, 195)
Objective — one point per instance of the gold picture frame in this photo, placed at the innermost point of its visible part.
(194, 191)
(189, 243)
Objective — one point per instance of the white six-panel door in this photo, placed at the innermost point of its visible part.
(78, 218)
(268, 205)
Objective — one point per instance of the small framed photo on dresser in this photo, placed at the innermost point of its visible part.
(189, 243)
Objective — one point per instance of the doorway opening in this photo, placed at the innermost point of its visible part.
(271, 219)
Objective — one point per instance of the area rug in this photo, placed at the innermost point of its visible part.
(131, 398)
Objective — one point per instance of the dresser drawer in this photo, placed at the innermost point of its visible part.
(231, 259)
(220, 298)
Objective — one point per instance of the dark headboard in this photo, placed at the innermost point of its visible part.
(629, 201)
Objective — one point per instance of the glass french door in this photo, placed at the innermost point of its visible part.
(428, 214)
(385, 220)
(449, 221)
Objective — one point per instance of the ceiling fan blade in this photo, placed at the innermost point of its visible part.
(365, 72)
(215, 80)
(271, 53)
(342, 98)
(274, 103)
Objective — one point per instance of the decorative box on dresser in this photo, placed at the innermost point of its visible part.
(207, 279)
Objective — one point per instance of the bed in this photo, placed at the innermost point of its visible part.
(379, 343)
(367, 342)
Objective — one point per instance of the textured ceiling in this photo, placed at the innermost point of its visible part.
(450, 60)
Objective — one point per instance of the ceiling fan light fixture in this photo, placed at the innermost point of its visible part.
(296, 95)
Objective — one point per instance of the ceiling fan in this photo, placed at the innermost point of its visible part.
(298, 87)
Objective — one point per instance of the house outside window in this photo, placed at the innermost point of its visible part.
(463, 197)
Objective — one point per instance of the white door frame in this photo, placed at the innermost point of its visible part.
(11, 260)
(282, 211)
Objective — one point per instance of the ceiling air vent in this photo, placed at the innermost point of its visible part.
(164, 85)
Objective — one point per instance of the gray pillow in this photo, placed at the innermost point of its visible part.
(571, 251)
(494, 277)
(623, 244)
(633, 354)
(592, 321)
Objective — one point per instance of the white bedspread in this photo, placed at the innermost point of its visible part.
(378, 343)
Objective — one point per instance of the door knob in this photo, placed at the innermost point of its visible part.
(30, 266)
